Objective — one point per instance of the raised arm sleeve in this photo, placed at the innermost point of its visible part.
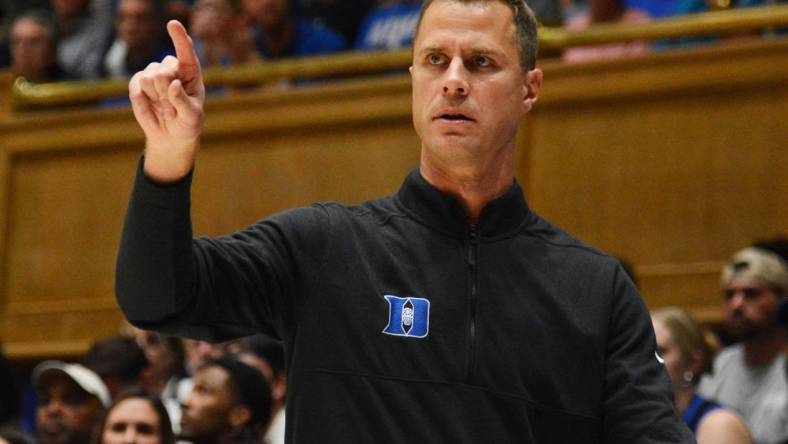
(638, 395)
(214, 289)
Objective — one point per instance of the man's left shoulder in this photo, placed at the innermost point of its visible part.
(557, 244)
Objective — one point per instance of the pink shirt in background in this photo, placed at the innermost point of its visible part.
(606, 52)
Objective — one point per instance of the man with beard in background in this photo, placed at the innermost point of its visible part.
(749, 376)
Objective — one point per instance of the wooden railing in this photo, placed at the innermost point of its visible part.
(551, 41)
(673, 161)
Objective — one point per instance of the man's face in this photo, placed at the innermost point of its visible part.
(66, 9)
(469, 91)
(136, 23)
(266, 13)
(210, 19)
(750, 307)
(160, 356)
(66, 414)
(207, 408)
(200, 352)
(32, 50)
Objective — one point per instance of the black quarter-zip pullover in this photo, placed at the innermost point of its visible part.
(403, 323)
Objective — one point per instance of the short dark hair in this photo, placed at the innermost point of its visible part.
(268, 349)
(117, 356)
(524, 23)
(247, 387)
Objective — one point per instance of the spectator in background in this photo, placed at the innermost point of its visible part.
(71, 402)
(220, 36)
(120, 363)
(389, 26)
(5, 16)
(10, 405)
(267, 355)
(84, 29)
(279, 33)
(198, 353)
(137, 417)
(687, 351)
(141, 38)
(230, 403)
(34, 48)
(341, 16)
(750, 376)
(603, 12)
(180, 10)
(168, 377)
(777, 245)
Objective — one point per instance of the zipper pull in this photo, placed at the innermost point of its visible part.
(472, 234)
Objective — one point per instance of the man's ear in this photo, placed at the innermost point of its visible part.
(410, 70)
(239, 416)
(532, 84)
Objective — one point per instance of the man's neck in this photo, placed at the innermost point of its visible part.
(761, 351)
(473, 184)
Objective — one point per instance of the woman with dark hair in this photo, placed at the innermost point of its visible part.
(137, 417)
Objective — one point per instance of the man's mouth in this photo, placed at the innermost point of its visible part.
(51, 429)
(454, 117)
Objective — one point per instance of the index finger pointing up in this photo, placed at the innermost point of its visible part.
(184, 49)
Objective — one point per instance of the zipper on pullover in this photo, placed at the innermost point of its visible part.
(473, 248)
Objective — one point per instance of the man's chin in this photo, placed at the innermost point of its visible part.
(739, 331)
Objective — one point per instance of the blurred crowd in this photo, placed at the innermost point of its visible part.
(56, 40)
(144, 388)
(141, 387)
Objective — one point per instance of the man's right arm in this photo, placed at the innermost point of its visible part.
(168, 99)
(212, 289)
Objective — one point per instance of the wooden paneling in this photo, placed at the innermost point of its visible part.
(672, 161)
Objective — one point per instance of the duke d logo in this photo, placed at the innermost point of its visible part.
(408, 317)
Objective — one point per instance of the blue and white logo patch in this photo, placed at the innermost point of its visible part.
(408, 317)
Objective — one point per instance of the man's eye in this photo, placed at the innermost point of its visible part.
(434, 59)
(481, 61)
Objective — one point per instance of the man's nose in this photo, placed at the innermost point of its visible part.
(54, 408)
(735, 301)
(456, 82)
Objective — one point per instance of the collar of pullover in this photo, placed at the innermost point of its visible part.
(502, 216)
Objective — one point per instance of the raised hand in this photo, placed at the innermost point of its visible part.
(167, 99)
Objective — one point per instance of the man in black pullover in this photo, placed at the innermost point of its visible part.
(449, 312)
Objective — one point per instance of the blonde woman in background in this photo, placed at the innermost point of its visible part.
(687, 350)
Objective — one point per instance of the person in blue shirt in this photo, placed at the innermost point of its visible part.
(389, 26)
(278, 33)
